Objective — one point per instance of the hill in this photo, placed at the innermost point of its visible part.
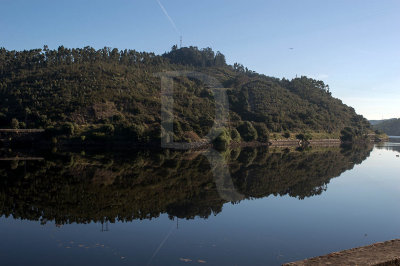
(390, 126)
(110, 94)
(376, 122)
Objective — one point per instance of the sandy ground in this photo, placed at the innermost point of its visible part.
(382, 253)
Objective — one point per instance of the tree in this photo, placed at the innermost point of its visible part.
(222, 141)
(347, 134)
(108, 129)
(68, 129)
(14, 123)
(262, 132)
(220, 59)
(286, 135)
(247, 131)
(235, 135)
(304, 137)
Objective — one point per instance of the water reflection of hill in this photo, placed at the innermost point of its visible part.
(107, 187)
(392, 145)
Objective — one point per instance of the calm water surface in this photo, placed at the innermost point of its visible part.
(164, 207)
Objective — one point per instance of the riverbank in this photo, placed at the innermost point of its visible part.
(127, 145)
(39, 138)
(382, 254)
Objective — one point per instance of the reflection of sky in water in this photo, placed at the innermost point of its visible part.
(393, 145)
(360, 207)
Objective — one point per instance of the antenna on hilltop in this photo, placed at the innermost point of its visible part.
(170, 20)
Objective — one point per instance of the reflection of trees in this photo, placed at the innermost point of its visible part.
(393, 145)
(82, 188)
(297, 174)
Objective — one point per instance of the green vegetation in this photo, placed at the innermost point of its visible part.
(390, 127)
(304, 137)
(247, 131)
(223, 139)
(349, 135)
(113, 95)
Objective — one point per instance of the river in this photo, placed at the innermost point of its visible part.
(254, 206)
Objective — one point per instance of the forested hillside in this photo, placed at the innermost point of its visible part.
(390, 126)
(113, 94)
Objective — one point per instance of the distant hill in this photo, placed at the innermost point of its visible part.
(114, 94)
(391, 126)
(376, 122)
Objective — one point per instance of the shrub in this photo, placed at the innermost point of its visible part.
(177, 128)
(67, 129)
(235, 135)
(262, 132)
(108, 129)
(300, 136)
(347, 134)
(22, 125)
(50, 132)
(286, 135)
(117, 118)
(247, 131)
(98, 136)
(14, 123)
(130, 132)
(305, 137)
(223, 140)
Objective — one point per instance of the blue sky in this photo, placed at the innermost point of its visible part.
(353, 45)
